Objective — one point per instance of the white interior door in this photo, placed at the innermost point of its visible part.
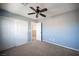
(38, 31)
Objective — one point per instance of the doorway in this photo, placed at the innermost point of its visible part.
(36, 31)
(33, 31)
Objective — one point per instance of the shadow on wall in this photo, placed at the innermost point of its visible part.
(13, 15)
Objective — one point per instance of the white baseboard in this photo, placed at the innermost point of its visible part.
(63, 46)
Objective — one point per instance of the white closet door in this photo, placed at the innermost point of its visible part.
(8, 33)
(21, 32)
(14, 32)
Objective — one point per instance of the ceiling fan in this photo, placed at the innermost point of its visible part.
(37, 11)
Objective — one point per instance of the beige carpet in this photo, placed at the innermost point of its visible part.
(38, 48)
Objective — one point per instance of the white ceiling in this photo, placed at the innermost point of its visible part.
(53, 9)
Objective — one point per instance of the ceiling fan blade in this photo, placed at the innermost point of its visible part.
(33, 9)
(37, 15)
(30, 13)
(45, 9)
(42, 15)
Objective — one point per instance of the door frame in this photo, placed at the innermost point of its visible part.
(36, 34)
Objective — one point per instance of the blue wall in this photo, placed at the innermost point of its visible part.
(62, 30)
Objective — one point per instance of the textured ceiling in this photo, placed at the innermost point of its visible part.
(53, 9)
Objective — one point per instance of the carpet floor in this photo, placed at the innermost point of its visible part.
(38, 48)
